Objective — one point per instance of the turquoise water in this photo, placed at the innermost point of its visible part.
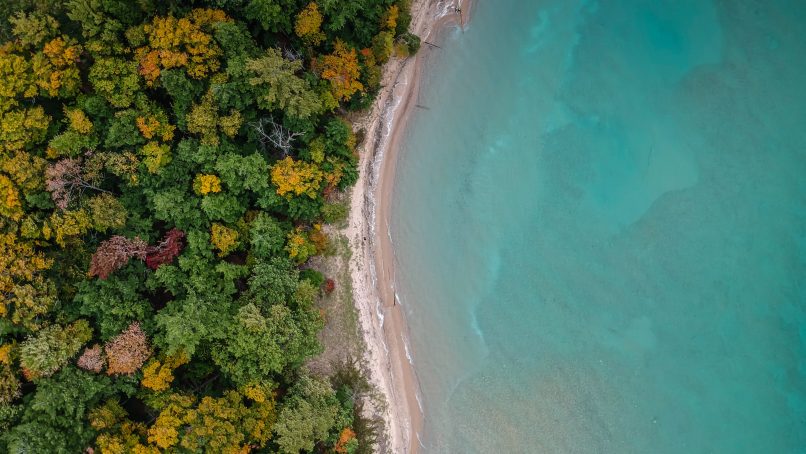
(600, 225)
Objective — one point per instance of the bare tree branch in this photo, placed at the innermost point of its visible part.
(274, 134)
(291, 54)
(65, 181)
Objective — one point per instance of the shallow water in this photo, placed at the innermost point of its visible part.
(600, 224)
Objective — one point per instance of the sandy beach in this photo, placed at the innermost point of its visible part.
(372, 265)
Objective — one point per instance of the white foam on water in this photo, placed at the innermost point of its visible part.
(406, 348)
(378, 311)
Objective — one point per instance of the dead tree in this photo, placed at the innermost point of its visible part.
(65, 180)
(273, 134)
(291, 54)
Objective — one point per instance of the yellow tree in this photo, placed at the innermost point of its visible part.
(156, 126)
(117, 434)
(78, 120)
(296, 178)
(23, 128)
(223, 238)
(308, 25)
(25, 170)
(16, 78)
(181, 43)
(300, 247)
(25, 293)
(107, 212)
(10, 205)
(66, 225)
(389, 19)
(204, 184)
(56, 68)
(155, 156)
(205, 120)
(342, 71)
(158, 373)
(231, 424)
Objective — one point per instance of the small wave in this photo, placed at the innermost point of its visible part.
(406, 348)
(379, 312)
(419, 405)
(474, 324)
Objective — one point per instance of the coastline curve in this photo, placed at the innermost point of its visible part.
(383, 324)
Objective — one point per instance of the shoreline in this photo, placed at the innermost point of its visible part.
(382, 321)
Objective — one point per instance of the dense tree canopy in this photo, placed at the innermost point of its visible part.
(165, 170)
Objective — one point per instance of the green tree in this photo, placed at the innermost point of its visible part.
(9, 385)
(243, 173)
(52, 347)
(266, 236)
(115, 79)
(184, 137)
(272, 282)
(280, 87)
(114, 302)
(308, 415)
(383, 45)
(259, 346)
(55, 419)
(33, 29)
(182, 91)
(272, 15)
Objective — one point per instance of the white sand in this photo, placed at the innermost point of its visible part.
(372, 264)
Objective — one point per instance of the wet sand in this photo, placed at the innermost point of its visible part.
(372, 266)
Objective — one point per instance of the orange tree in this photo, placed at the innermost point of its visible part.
(164, 172)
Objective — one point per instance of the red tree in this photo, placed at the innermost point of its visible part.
(166, 250)
(330, 285)
(114, 254)
(92, 359)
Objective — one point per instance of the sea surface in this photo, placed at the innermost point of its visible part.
(600, 226)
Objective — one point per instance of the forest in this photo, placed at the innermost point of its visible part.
(166, 169)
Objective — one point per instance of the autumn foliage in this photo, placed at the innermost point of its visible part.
(115, 253)
(180, 43)
(309, 23)
(166, 172)
(93, 359)
(127, 351)
(330, 285)
(342, 70)
(166, 250)
(158, 373)
(64, 180)
(206, 184)
(223, 238)
(293, 177)
(345, 437)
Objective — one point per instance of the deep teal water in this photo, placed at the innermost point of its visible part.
(600, 225)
